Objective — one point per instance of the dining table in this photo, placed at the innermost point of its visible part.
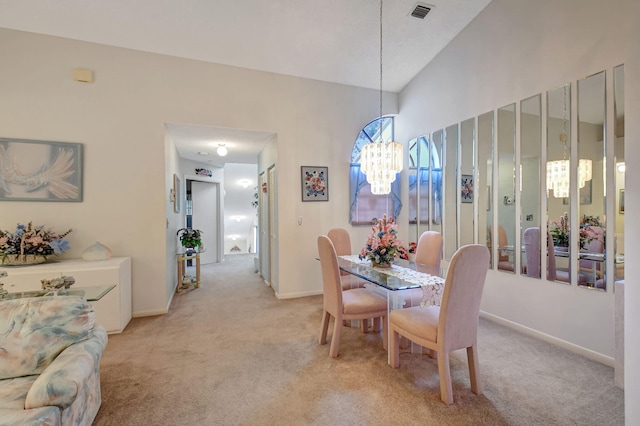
(398, 283)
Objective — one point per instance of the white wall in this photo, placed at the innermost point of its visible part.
(120, 120)
(508, 53)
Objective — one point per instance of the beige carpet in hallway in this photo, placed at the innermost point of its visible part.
(230, 353)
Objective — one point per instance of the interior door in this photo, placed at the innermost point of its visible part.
(205, 217)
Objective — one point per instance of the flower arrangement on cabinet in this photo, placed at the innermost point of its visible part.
(31, 244)
(383, 245)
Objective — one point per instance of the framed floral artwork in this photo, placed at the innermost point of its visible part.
(315, 183)
(466, 189)
(40, 170)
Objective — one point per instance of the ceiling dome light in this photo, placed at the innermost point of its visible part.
(222, 150)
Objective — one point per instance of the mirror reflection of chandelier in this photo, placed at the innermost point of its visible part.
(559, 172)
(381, 161)
(558, 176)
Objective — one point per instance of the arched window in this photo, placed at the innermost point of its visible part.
(429, 169)
(366, 207)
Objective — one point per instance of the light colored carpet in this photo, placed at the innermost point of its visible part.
(230, 353)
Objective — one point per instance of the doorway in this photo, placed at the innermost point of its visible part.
(203, 213)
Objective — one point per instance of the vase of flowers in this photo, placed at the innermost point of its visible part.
(29, 245)
(383, 245)
(560, 231)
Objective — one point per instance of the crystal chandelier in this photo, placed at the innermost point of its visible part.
(559, 172)
(381, 161)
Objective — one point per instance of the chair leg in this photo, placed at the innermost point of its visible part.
(364, 324)
(335, 339)
(446, 394)
(376, 325)
(394, 348)
(474, 369)
(385, 333)
(324, 326)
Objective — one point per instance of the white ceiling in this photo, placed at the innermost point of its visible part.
(329, 40)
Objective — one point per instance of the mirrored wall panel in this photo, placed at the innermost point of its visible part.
(436, 169)
(558, 183)
(451, 192)
(503, 234)
(467, 182)
(485, 178)
(619, 173)
(591, 181)
(530, 144)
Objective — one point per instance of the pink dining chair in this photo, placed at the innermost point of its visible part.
(428, 252)
(531, 238)
(355, 304)
(451, 326)
(557, 274)
(342, 243)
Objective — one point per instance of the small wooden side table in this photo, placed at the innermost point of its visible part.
(182, 268)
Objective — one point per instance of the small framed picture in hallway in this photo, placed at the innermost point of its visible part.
(315, 183)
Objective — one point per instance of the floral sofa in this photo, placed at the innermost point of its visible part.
(50, 349)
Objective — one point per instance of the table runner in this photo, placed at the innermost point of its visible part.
(432, 286)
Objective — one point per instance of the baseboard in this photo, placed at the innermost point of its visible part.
(587, 353)
(296, 295)
(152, 313)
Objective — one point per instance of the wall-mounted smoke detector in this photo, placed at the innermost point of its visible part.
(420, 10)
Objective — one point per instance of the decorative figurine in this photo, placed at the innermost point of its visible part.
(61, 283)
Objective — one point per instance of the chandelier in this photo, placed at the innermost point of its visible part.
(381, 161)
(559, 172)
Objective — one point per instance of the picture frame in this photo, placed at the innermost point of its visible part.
(315, 183)
(466, 189)
(621, 201)
(176, 193)
(41, 170)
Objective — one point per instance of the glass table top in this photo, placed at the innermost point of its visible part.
(382, 278)
(91, 294)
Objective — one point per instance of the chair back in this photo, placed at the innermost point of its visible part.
(532, 251)
(460, 309)
(551, 259)
(429, 249)
(341, 241)
(595, 246)
(331, 286)
(503, 241)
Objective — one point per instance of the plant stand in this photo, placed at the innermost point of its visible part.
(186, 281)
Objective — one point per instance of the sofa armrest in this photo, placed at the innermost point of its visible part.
(59, 383)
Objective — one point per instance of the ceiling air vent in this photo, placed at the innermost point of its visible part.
(420, 10)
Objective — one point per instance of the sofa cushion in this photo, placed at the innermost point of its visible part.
(34, 331)
(14, 391)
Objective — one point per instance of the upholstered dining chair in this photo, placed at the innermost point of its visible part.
(354, 304)
(451, 326)
(531, 239)
(557, 274)
(342, 243)
(428, 252)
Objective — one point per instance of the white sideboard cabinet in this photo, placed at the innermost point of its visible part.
(113, 311)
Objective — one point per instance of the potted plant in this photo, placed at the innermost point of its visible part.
(190, 238)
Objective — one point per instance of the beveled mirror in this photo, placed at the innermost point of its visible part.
(558, 183)
(591, 181)
(450, 217)
(467, 183)
(503, 234)
(619, 173)
(530, 144)
(485, 178)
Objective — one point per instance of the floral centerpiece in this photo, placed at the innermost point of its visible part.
(30, 244)
(560, 231)
(383, 245)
